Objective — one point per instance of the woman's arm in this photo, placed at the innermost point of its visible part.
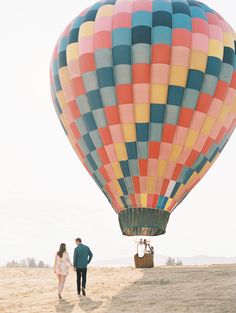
(68, 259)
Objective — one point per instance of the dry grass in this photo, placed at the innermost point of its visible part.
(205, 289)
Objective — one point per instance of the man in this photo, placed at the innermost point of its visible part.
(82, 257)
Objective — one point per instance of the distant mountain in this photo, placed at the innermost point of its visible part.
(206, 260)
(161, 260)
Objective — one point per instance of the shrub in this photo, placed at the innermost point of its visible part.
(171, 262)
(27, 263)
(179, 263)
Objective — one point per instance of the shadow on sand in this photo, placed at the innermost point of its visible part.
(64, 306)
(135, 294)
(88, 305)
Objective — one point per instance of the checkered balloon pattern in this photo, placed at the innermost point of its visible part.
(146, 93)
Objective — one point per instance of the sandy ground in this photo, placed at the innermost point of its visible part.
(208, 289)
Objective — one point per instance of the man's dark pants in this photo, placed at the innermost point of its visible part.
(81, 272)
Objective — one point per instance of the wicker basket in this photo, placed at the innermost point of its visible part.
(147, 261)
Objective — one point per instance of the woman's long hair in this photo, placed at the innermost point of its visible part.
(62, 249)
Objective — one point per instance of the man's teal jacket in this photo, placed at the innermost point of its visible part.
(82, 256)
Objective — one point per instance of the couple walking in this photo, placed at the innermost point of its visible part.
(82, 257)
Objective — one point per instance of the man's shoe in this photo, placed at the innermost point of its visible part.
(83, 292)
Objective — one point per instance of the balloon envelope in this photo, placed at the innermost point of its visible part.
(145, 91)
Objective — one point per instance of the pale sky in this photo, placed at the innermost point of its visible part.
(46, 196)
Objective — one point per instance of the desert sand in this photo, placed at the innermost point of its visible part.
(208, 289)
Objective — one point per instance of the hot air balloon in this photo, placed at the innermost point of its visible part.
(146, 93)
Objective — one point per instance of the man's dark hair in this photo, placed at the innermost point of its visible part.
(78, 240)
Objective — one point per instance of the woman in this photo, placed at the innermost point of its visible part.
(61, 267)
